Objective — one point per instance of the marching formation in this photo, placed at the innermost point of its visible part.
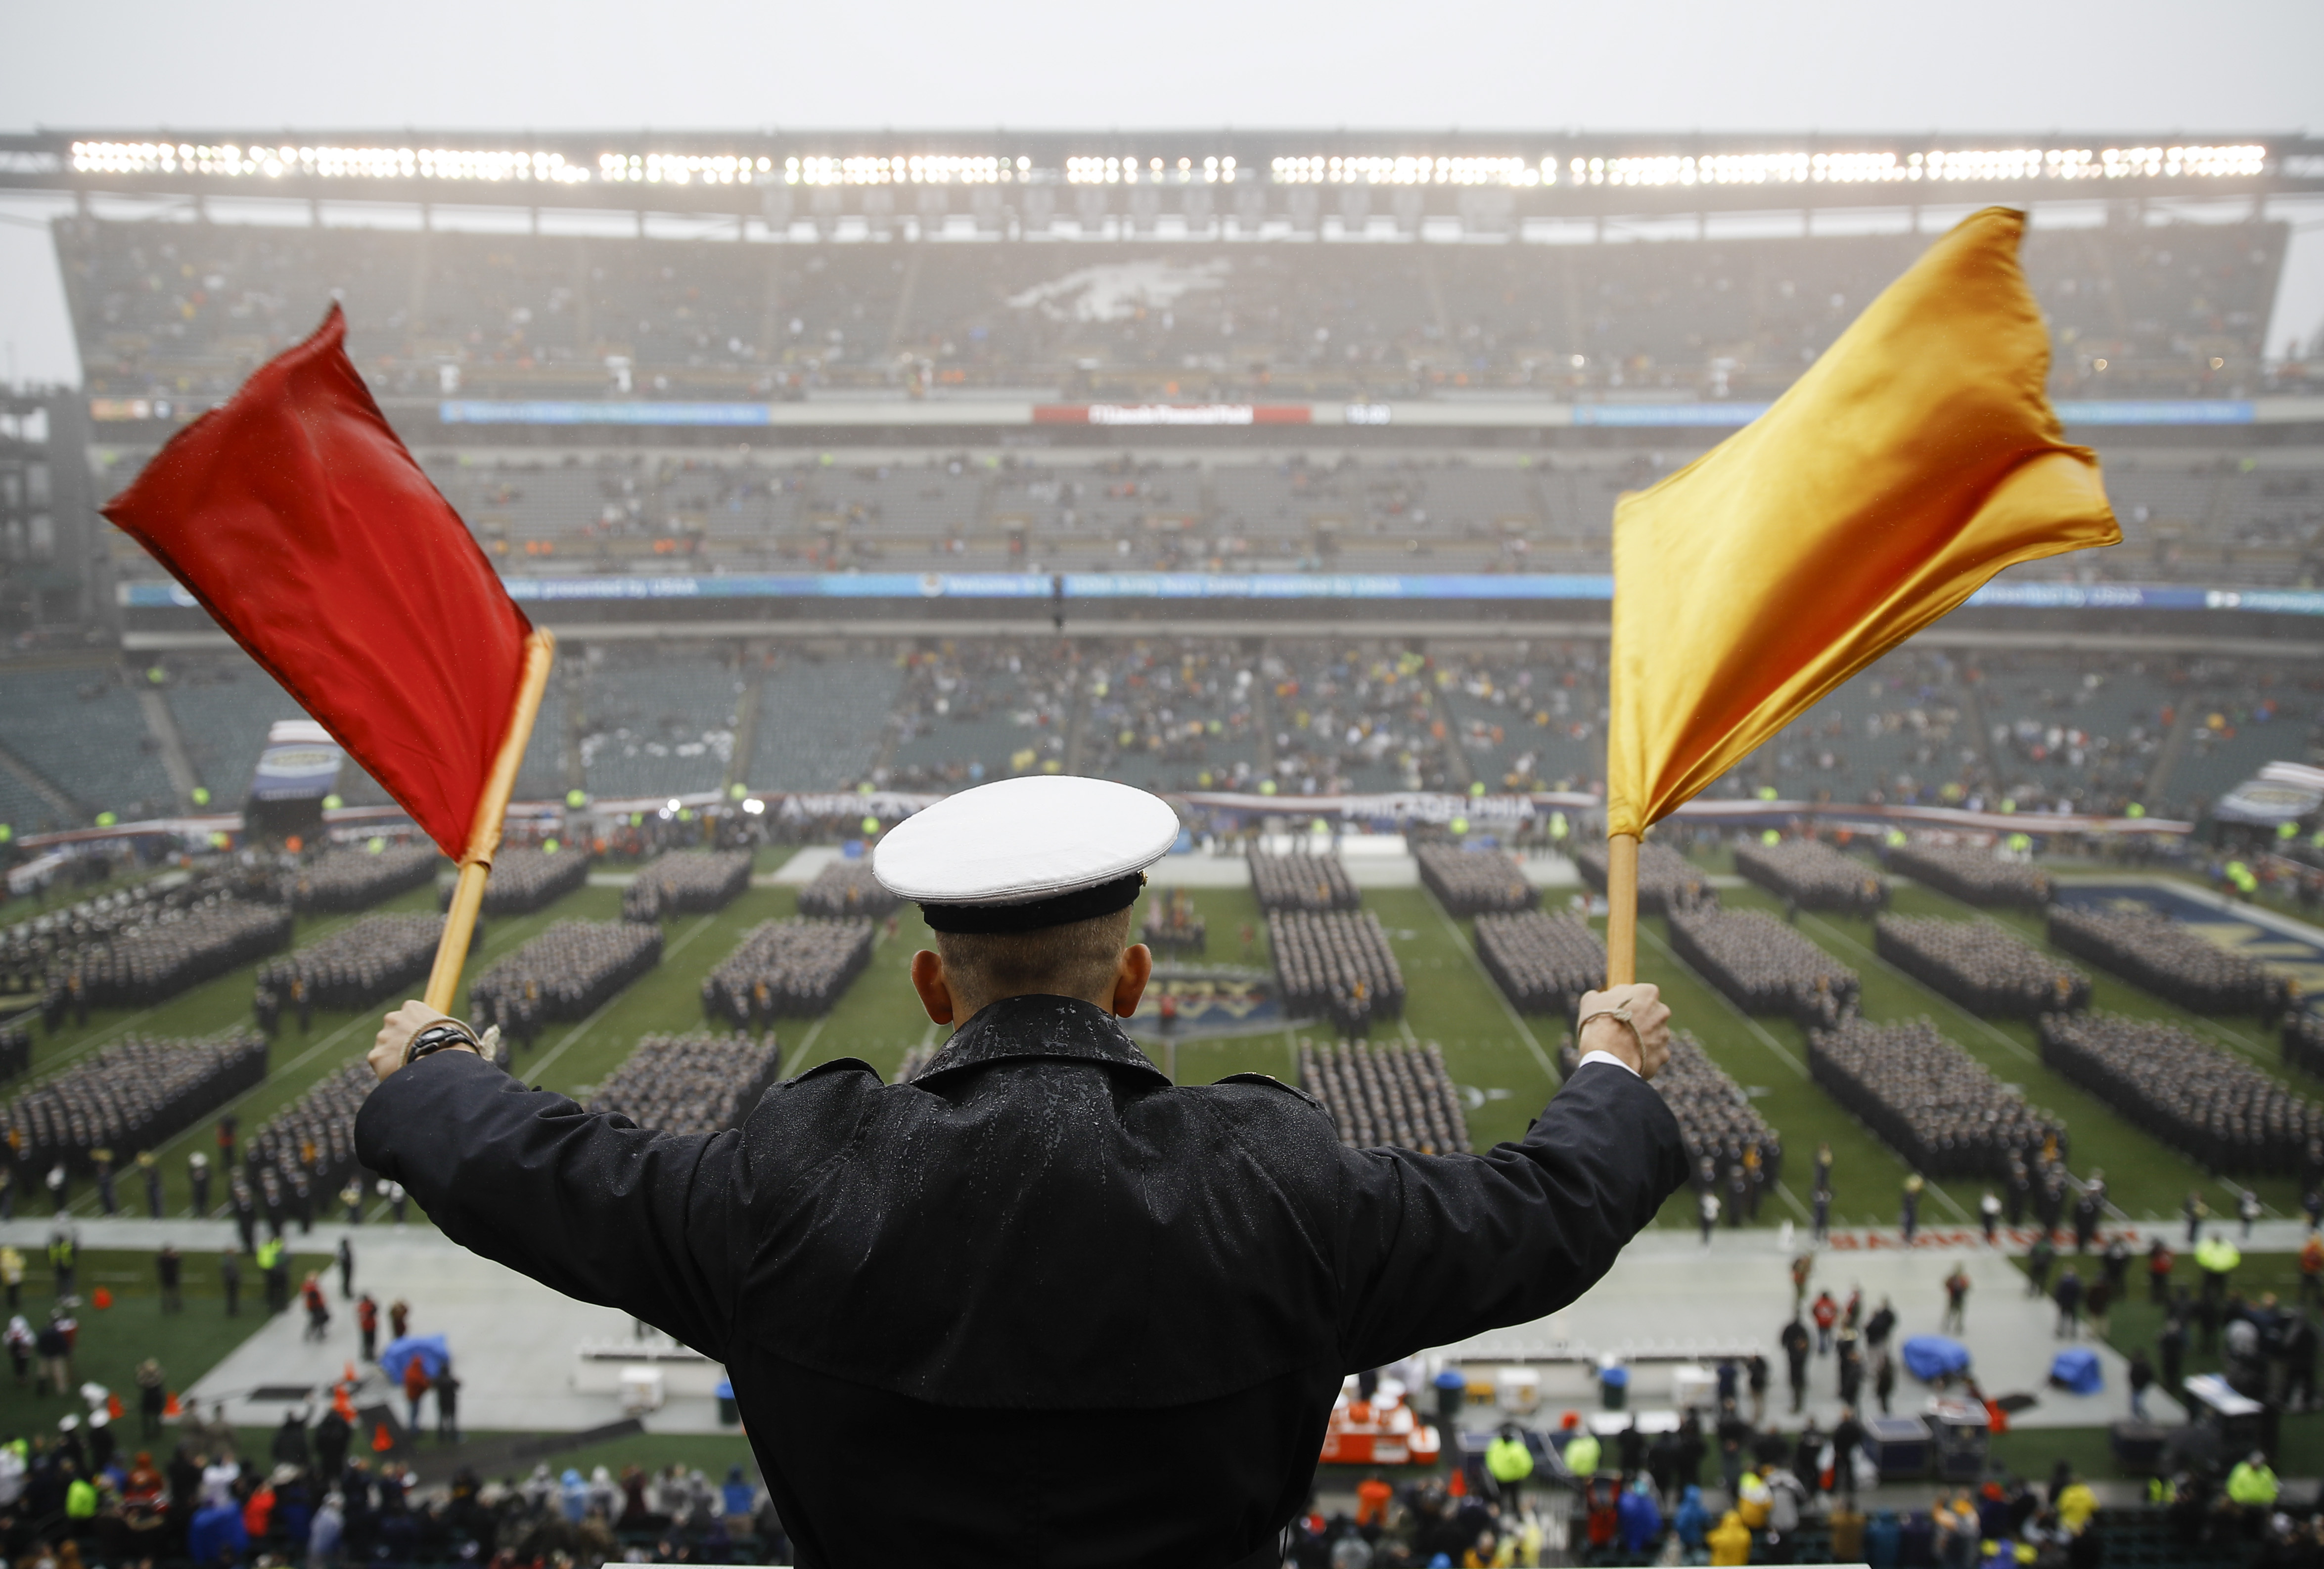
(1765, 966)
(696, 1083)
(565, 973)
(1813, 876)
(342, 879)
(845, 889)
(1379, 1095)
(1474, 881)
(1335, 965)
(2154, 951)
(1171, 925)
(1667, 880)
(1542, 962)
(1722, 1128)
(2185, 1091)
(130, 1096)
(524, 881)
(1972, 876)
(313, 1139)
(1936, 1105)
(686, 883)
(1301, 881)
(354, 967)
(786, 969)
(1991, 971)
(148, 964)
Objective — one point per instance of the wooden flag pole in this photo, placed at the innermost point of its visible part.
(485, 831)
(1621, 909)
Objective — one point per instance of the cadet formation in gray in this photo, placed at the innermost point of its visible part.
(1301, 881)
(686, 883)
(1934, 1103)
(1765, 966)
(2155, 952)
(1971, 875)
(1813, 876)
(786, 969)
(1387, 1095)
(2193, 1096)
(1992, 972)
(1335, 965)
(1474, 881)
(1542, 962)
(691, 1084)
(343, 880)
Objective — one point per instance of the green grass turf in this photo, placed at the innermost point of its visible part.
(114, 1340)
(1500, 1059)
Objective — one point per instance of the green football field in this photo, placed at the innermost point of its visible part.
(1503, 1062)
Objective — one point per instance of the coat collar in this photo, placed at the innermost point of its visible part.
(1041, 1026)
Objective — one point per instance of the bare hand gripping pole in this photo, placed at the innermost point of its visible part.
(485, 833)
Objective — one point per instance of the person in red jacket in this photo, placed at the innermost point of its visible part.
(1826, 1312)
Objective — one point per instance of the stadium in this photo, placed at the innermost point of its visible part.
(1273, 473)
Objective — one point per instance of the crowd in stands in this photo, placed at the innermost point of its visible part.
(2155, 952)
(787, 969)
(980, 709)
(686, 883)
(1183, 715)
(315, 1491)
(1986, 969)
(843, 890)
(1725, 1134)
(1398, 1096)
(166, 308)
(1542, 962)
(1301, 881)
(353, 967)
(1471, 881)
(524, 880)
(1356, 716)
(696, 1083)
(2192, 1096)
(1765, 966)
(1813, 876)
(1335, 965)
(130, 1096)
(1936, 1105)
(566, 971)
(346, 880)
(1972, 875)
(1667, 880)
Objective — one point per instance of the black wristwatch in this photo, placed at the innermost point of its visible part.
(437, 1037)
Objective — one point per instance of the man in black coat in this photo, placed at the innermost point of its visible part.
(1040, 1255)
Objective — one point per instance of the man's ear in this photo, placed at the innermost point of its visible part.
(1130, 978)
(928, 981)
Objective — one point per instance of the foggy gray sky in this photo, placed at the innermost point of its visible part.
(1971, 66)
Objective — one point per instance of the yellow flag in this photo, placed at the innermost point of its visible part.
(1914, 460)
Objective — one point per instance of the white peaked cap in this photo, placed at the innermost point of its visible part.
(1024, 840)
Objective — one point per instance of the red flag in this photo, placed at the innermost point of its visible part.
(310, 534)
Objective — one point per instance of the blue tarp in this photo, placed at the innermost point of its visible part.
(1931, 1357)
(434, 1356)
(2077, 1369)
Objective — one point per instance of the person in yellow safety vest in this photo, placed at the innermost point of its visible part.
(1730, 1541)
(1753, 1500)
(2076, 1505)
(2162, 1490)
(271, 1268)
(2253, 1483)
(1582, 1452)
(80, 1499)
(1509, 1461)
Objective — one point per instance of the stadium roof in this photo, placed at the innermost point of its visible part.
(1488, 175)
